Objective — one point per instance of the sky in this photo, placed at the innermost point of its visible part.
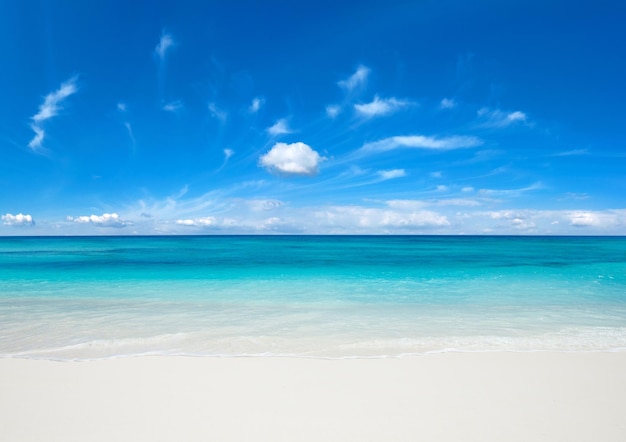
(326, 117)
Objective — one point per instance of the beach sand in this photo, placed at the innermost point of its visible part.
(438, 397)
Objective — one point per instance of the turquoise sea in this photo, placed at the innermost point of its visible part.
(80, 298)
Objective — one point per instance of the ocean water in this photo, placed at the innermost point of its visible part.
(76, 298)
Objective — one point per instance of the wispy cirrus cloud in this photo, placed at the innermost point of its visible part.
(333, 110)
(50, 108)
(165, 43)
(510, 192)
(571, 153)
(497, 118)
(123, 109)
(356, 80)
(391, 174)
(447, 103)
(173, 106)
(421, 142)
(380, 107)
(218, 113)
(281, 127)
(129, 129)
(256, 105)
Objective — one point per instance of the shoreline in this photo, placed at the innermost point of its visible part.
(486, 396)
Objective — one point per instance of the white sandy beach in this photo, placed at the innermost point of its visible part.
(449, 397)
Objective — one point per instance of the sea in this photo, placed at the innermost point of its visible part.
(84, 298)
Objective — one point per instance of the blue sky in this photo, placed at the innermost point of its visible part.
(425, 117)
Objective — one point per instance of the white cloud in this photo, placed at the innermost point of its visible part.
(510, 192)
(391, 174)
(442, 188)
(359, 78)
(467, 189)
(130, 131)
(105, 220)
(121, 107)
(50, 108)
(380, 107)
(264, 204)
(173, 106)
(292, 159)
(19, 220)
(197, 222)
(333, 110)
(557, 221)
(217, 113)
(377, 220)
(418, 204)
(406, 204)
(228, 153)
(587, 219)
(38, 138)
(447, 103)
(421, 142)
(279, 128)
(570, 153)
(256, 104)
(51, 104)
(522, 224)
(497, 118)
(164, 44)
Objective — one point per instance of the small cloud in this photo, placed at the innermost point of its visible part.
(173, 106)
(37, 140)
(357, 79)
(380, 107)
(391, 174)
(217, 113)
(105, 220)
(497, 118)
(256, 104)
(510, 192)
(52, 102)
(228, 153)
(130, 131)
(292, 159)
(279, 128)
(437, 174)
(50, 108)
(121, 107)
(333, 110)
(467, 189)
(258, 205)
(19, 220)
(165, 43)
(442, 188)
(576, 196)
(197, 222)
(571, 153)
(447, 103)
(421, 142)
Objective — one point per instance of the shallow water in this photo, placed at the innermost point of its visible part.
(313, 296)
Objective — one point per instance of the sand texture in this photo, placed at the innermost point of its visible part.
(441, 397)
